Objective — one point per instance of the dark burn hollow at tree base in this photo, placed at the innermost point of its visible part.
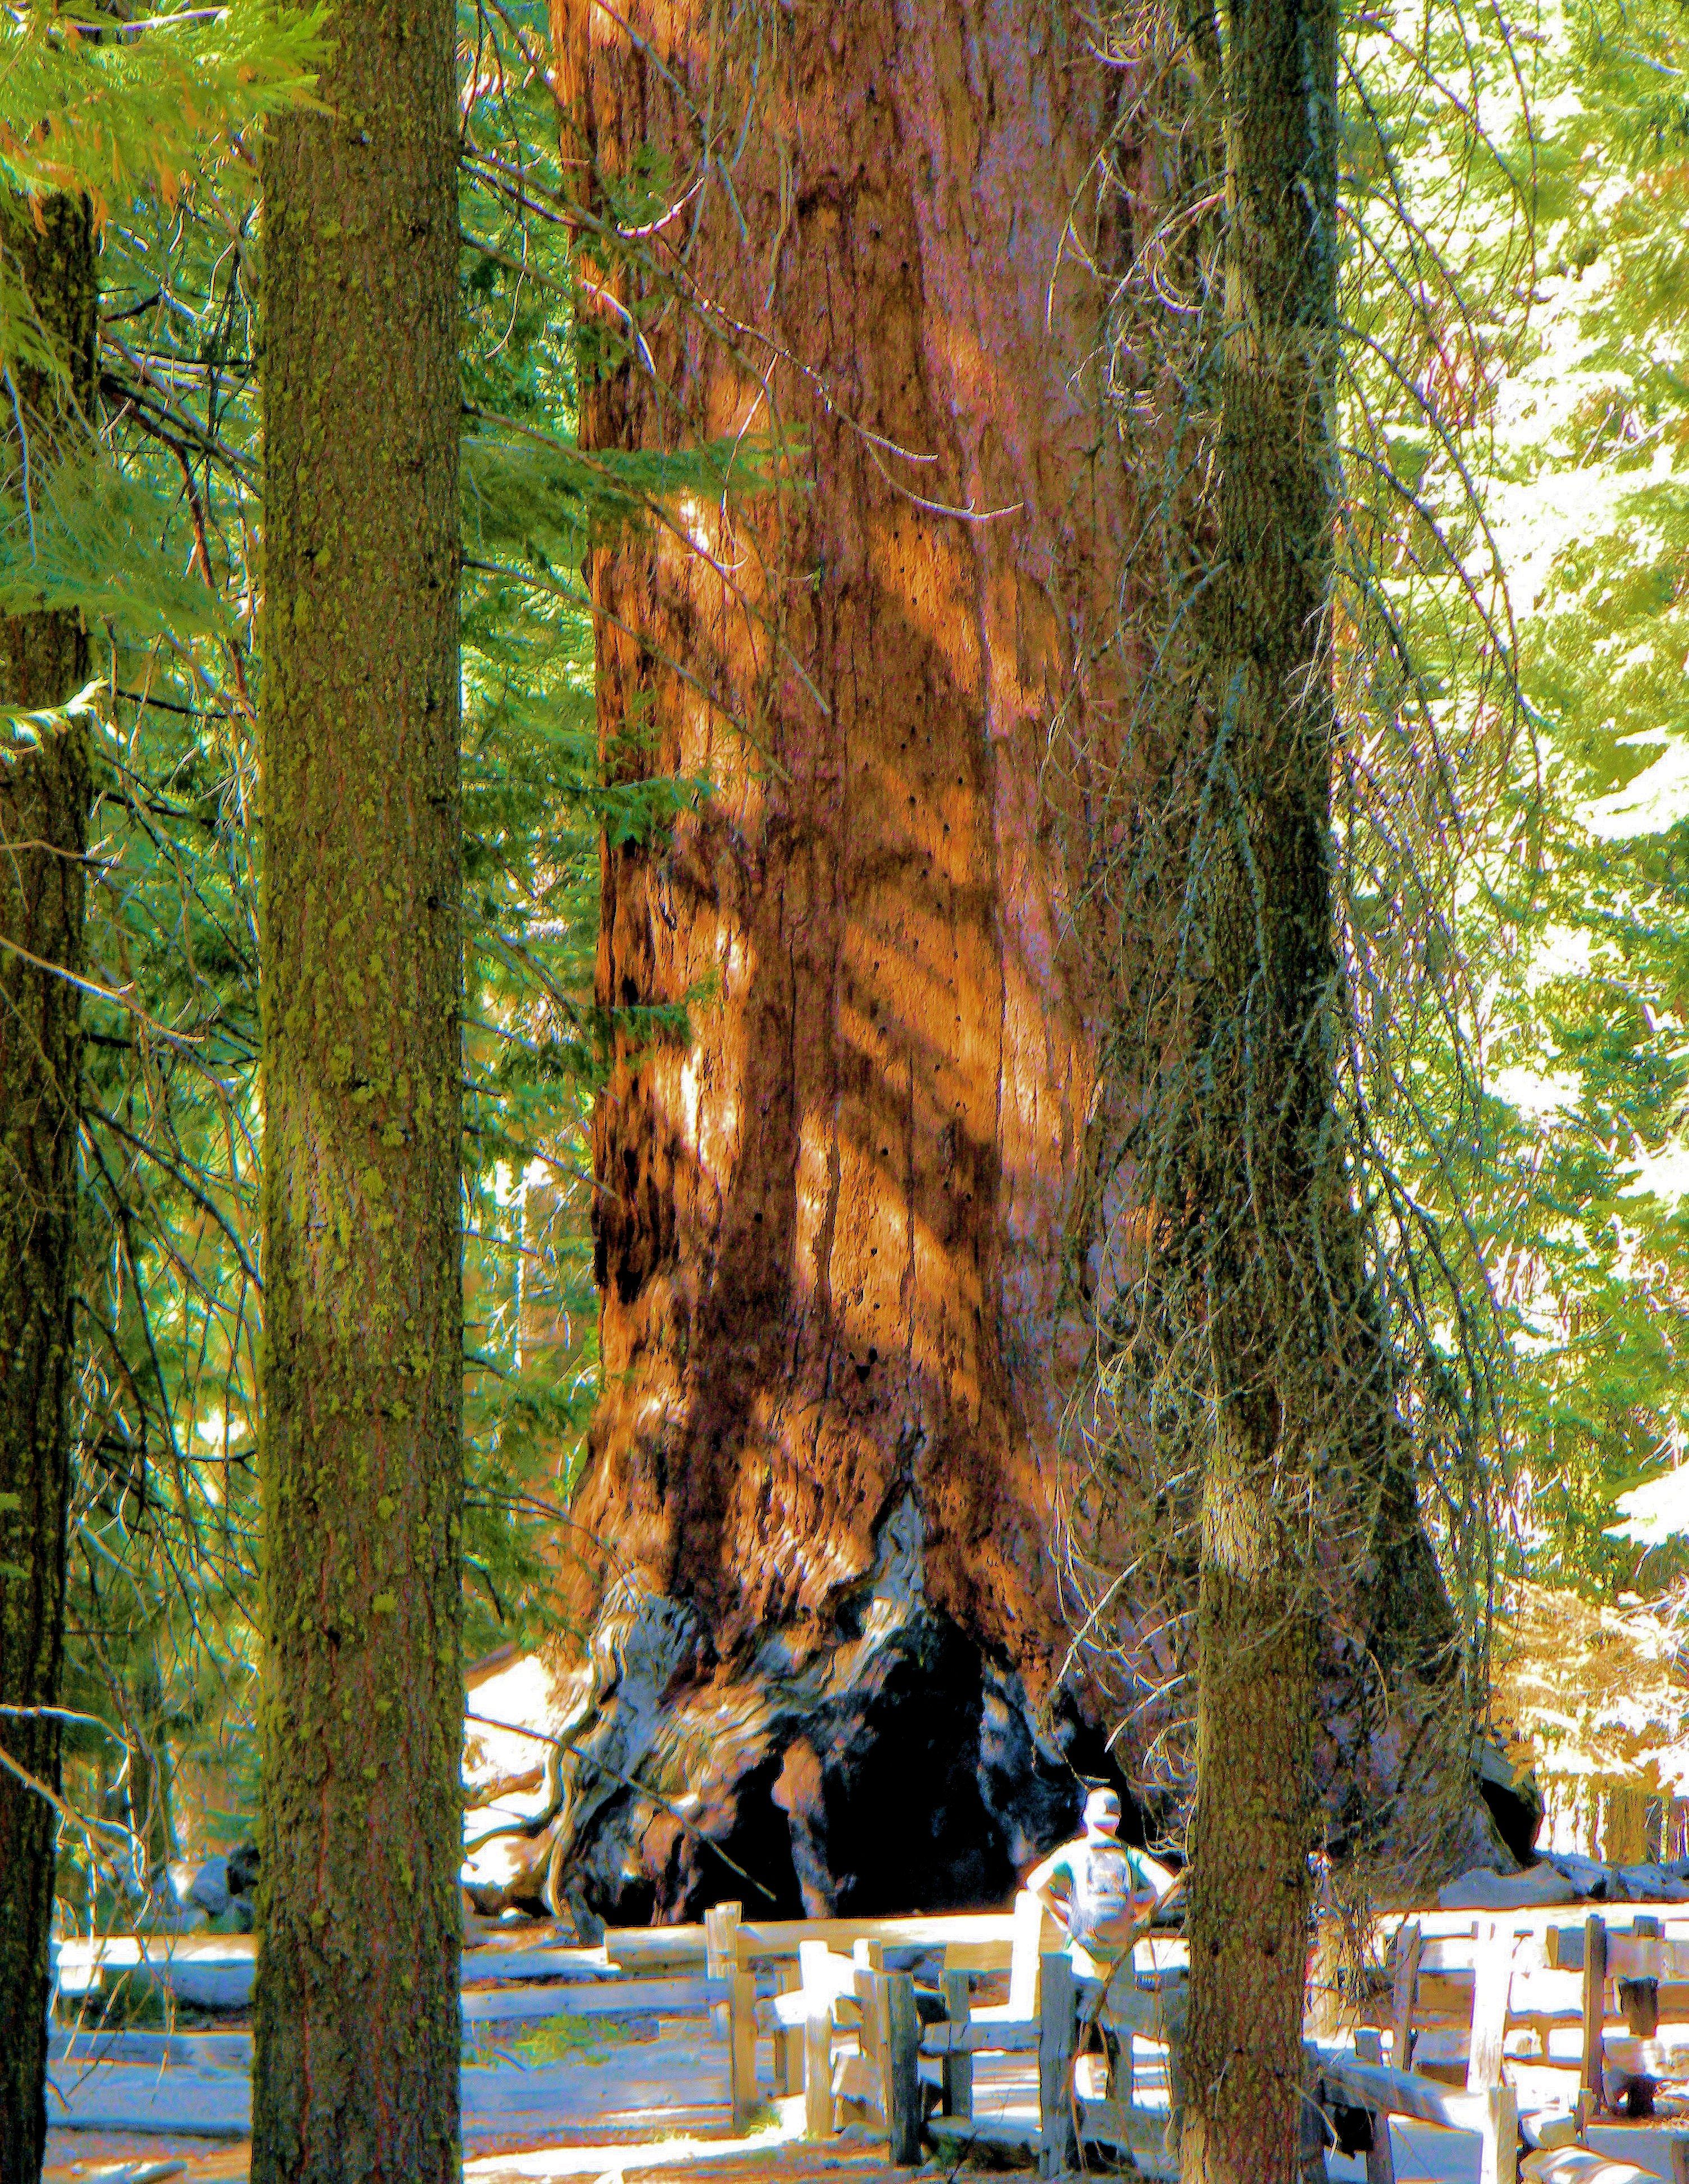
(895, 1767)
(896, 1770)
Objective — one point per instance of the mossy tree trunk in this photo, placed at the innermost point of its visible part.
(44, 792)
(356, 2071)
(1268, 1190)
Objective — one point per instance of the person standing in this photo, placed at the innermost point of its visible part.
(1103, 1892)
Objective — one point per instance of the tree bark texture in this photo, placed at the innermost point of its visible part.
(1268, 1187)
(831, 1223)
(357, 2017)
(44, 800)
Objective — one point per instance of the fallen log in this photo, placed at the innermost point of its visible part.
(1492, 2114)
(210, 1971)
(215, 1972)
(606, 2001)
(1659, 2149)
(628, 2003)
(1006, 2132)
(1576, 2164)
(82, 2047)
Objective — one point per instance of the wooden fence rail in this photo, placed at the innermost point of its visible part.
(838, 2000)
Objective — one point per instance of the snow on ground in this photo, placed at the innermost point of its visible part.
(654, 2107)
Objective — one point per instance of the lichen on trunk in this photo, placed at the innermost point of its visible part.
(1262, 1162)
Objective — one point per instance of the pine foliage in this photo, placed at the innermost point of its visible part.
(1571, 1176)
(158, 541)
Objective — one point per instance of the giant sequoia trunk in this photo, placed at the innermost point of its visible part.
(44, 792)
(356, 2069)
(831, 1223)
(842, 1222)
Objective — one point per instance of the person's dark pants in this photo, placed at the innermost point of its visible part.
(1088, 1994)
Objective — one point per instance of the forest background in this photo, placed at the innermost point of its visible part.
(1544, 1128)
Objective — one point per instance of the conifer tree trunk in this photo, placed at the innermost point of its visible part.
(44, 794)
(831, 1222)
(357, 2060)
(1267, 1183)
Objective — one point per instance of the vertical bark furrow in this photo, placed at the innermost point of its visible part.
(44, 800)
(356, 2072)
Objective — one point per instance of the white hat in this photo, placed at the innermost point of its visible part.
(1103, 1810)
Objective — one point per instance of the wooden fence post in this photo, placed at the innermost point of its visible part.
(819, 2068)
(742, 2050)
(788, 2044)
(1639, 1999)
(1410, 1941)
(1491, 1981)
(1381, 2154)
(898, 2027)
(1058, 2150)
(1498, 2163)
(957, 2094)
(721, 1955)
(868, 1958)
(1594, 2011)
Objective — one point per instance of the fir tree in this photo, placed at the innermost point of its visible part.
(158, 544)
(1260, 1172)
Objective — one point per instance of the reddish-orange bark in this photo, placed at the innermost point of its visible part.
(842, 1225)
(832, 1228)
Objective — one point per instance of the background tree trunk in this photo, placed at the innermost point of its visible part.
(152, 1814)
(832, 1226)
(356, 2070)
(44, 795)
